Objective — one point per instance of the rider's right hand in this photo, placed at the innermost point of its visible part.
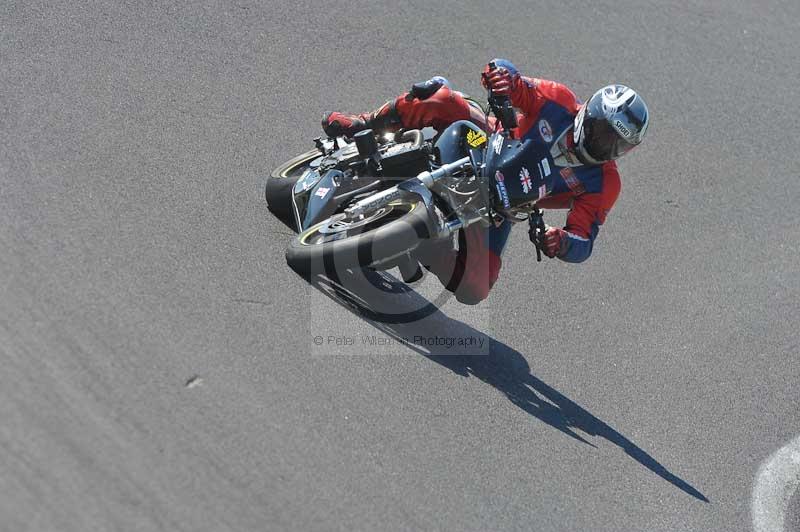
(554, 239)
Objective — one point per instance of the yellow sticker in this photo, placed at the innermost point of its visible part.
(476, 138)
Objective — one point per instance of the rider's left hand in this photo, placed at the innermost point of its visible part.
(554, 237)
(499, 80)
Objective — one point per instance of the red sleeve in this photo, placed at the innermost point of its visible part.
(588, 213)
(590, 210)
(531, 93)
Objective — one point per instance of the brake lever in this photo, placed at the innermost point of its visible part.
(536, 231)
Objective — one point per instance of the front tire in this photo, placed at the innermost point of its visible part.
(280, 186)
(340, 244)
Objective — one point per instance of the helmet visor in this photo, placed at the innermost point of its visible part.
(602, 141)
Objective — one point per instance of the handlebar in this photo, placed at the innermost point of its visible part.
(428, 178)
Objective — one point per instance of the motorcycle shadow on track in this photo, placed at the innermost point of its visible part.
(500, 366)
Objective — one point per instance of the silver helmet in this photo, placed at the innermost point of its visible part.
(612, 123)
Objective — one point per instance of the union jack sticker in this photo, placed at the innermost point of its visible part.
(525, 180)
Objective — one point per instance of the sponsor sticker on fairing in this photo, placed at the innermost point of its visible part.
(322, 192)
(476, 138)
(525, 180)
(501, 189)
(544, 168)
(497, 144)
(545, 131)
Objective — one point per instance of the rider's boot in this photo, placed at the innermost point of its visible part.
(386, 118)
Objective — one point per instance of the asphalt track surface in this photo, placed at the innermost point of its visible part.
(159, 370)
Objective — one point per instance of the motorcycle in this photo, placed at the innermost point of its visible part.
(354, 207)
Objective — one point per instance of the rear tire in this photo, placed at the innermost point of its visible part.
(332, 245)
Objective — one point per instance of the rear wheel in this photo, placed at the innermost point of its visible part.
(281, 183)
(379, 236)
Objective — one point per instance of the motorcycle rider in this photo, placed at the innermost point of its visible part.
(585, 140)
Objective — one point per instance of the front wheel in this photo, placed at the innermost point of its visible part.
(280, 185)
(338, 243)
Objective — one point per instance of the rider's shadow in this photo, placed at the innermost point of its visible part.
(502, 367)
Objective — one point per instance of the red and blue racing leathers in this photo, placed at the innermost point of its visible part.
(589, 192)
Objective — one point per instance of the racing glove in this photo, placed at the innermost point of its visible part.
(554, 239)
(500, 80)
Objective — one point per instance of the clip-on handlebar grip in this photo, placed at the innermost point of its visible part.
(502, 108)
